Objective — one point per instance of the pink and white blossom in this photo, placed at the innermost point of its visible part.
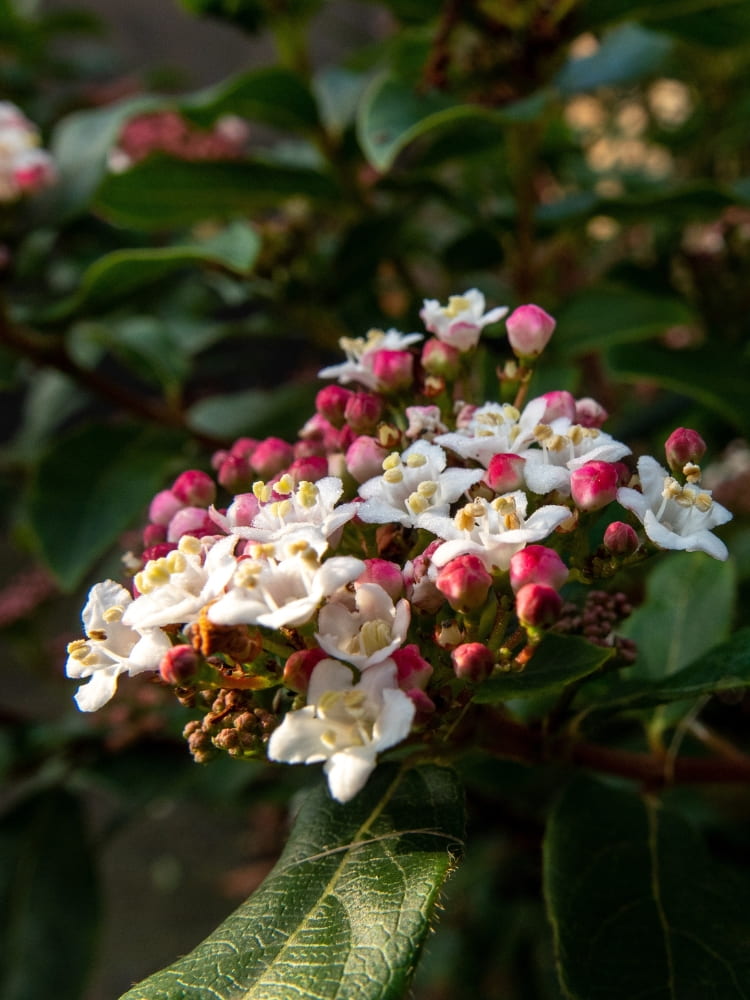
(461, 322)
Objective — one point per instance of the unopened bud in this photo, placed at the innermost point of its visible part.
(179, 664)
(364, 458)
(560, 403)
(441, 359)
(299, 667)
(472, 661)
(394, 370)
(363, 411)
(620, 539)
(505, 473)
(538, 605)
(529, 330)
(413, 670)
(589, 413)
(683, 446)
(594, 485)
(464, 582)
(331, 402)
(163, 507)
(537, 564)
(385, 574)
(309, 469)
(272, 456)
(194, 488)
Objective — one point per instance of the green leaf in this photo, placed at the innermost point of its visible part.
(715, 377)
(254, 412)
(558, 661)
(48, 900)
(631, 315)
(161, 192)
(117, 275)
(626, 54)
(638, 906)
(704, 22)
(272, 95)
(345, 911)
(89, 488)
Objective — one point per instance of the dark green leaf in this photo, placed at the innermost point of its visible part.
(558, 661)
(161, 192)
(48, 899)
(345, 911)
(255, 412)
(89, 488)
(638, 907)
(703, 22)
(626, 54)
(272, 95)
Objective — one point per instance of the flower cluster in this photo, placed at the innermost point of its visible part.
(24, 167)
(168, 132)
(354, 587)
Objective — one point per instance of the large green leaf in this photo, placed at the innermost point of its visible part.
(558, 661)
(89, 488)
(345, 911)
(272, 95)
(48, 899)
(628, 53)
(161, 192)
(705, 22)
(638, 907)
(256, 412)
(117, 275)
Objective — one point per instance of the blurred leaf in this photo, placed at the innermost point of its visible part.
(631, 315)
(346, 909)
(48, 900)
(558, 661)
(626, 54)
(51, 399)
(638, 906)
(89, 488)
(687, 610)
(338, 92)
(716, 378)
(161, 192)
(254, 412)
(272, 95)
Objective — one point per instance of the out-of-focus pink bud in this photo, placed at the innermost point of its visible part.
(191, 521)
(505, 473)
(472, 661)
(386, 574)
(311, 469)
(363, 411)
(243, 509)
(537, 564)
(157, 551)
(413, 670)
(194, 488)
(364, 458)
(441, 359)
(394, 370)
(331, 402)
(153, 534)
(236, 474)
(529, 330)
(594, 485)
(299, 667)
(620, 539)
(464, 582)
(179, 664)
(33, 170)
(272, 456)
(683, 446)
(589, 413)
(163, 507)
(538, 605)
(559, 404)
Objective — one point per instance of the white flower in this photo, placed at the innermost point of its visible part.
(357, 350)
(370, 633)
(675, 516)
(345, 724)
(285, 591)
(460, 322)
(310, 505)
(495, 429)
(494, 531)
(110, 648)
(413, 482)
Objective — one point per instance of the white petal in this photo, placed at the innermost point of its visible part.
(348, 771)
(297, 739)
(97, 692)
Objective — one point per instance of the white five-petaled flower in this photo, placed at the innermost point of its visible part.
(494, 530)
(304, 506)
(461, 322)
(495, 429)
(367, 635)
(359, 349)
(345, 724)
(412, 483)
(110, 648)
(565, 447)
(675, 516)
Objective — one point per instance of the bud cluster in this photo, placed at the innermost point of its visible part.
(328, 598)
(168, 132)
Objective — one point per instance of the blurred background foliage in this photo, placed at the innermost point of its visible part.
(181, 285)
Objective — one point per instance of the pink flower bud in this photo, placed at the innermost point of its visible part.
(363, 411)
(157, 551)
(589, 413)
(243, 509)
(163, 507)
(299, 667)
(594, 485)
(620, 539)
(538, 605)
(272, 456)
(472, 661)
(364, 458)
(441, 359)
(236, 474)
(33, 170)
(194, 488)
(559, 404)
(683, 446)
(413, 670)
(386, 574)
(179, 664)
(394, 370)
(331, 403)
(537, 564)
(529, 330)
(310, 469)
(153, 534)
(464, 582)
(191, 521)
(505, 473)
